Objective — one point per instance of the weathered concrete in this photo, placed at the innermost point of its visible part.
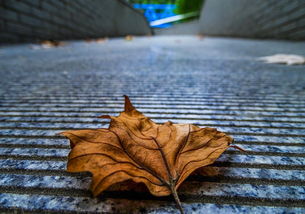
(34, 20)
(211, 82)
(281, 19)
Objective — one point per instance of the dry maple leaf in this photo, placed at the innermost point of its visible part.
(135, 148)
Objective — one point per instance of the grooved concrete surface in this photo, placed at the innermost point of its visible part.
(211, 82)
(281, 19)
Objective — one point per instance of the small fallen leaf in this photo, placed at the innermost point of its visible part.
(288, 59)
(101, 40)
(51, 43)
(135, 148)
(128, 38)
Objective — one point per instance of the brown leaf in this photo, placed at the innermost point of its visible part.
(101, 40)
(51, 43)
(135, 148)
(128, 37)
(98, 40)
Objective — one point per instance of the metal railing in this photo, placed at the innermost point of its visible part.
(174, 19)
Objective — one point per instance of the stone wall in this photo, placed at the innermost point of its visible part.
(34, 20)
(280, 19)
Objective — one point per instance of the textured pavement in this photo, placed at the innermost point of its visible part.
(210, 82)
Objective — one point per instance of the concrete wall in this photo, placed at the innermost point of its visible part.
(33, 20)
(281, 19)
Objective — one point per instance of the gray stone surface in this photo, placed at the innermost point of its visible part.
(35, 20)
(281, 19)
(209, 82)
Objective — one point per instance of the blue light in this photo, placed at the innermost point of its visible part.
(155, 12)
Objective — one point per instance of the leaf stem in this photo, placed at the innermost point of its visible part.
(177, 200)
